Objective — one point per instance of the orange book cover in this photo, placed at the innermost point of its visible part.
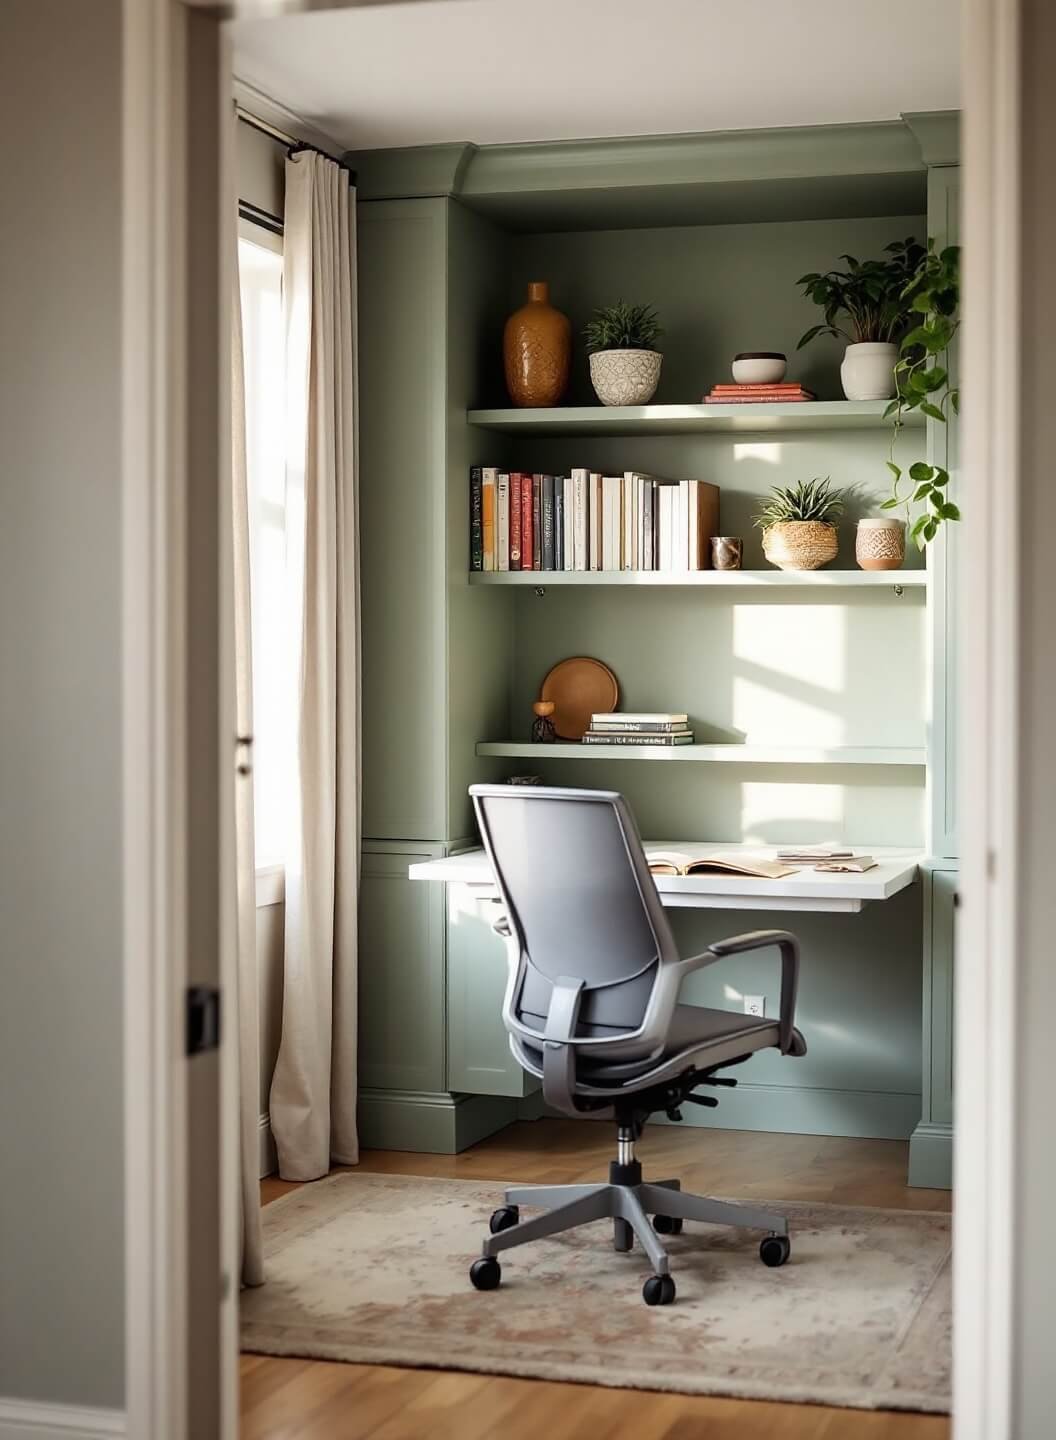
(488, 515)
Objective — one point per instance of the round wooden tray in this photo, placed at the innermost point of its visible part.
(579, 687)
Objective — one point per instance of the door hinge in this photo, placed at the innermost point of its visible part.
(203, 1019)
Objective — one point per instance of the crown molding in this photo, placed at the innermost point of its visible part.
(938, 133)
(274, 113)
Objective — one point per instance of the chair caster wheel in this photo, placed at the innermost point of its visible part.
(659, 1290)
(775, 1249)
(485, 1273)
(503, 1218)
(667, 1224)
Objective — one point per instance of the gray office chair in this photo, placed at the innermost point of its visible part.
(592, 1009)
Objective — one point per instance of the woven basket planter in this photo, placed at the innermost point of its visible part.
(800, 544)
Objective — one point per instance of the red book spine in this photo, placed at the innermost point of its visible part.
(526, 522)
(515, 521)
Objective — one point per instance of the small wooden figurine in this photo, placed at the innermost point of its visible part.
(543, 732)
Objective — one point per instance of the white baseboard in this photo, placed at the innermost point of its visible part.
(269, 1159)
(37, 1420)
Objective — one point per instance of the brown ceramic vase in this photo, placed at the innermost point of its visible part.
(537, 350)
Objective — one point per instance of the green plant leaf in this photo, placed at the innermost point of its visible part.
(950, 511)
(941, 477)
(933, 412)
(920, 471)
(918, 527)
(923, 491)
(890, 409)
(895, 471)
(891, 504)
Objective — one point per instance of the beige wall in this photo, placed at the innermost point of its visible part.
(61, 1193)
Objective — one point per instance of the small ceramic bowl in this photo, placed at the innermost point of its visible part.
(759, 367)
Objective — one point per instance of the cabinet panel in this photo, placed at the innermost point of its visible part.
(401, 976)
(402, 348)
(943, 225)
(479, 1058)
(940, 938)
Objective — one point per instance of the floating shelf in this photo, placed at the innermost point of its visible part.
(728, 754)
(692, 419)
(774, 579)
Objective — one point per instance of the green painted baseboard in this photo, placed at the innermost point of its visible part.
(433, 1123)
(806, 1110)
(931, 1156)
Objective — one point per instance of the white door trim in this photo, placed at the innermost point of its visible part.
(986, 959)
(152, 748)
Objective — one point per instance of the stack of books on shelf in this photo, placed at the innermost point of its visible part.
(648, 728)
(589, 521)
(786, 390)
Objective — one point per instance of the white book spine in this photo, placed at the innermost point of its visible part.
(502, 522)
(682, 533)
(594, 521)
(664, 517)
(609, 502)
(694, 525)
(580, 480)
(626, 523)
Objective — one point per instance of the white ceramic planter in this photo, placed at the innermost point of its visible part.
(625, 377)
(868, 371)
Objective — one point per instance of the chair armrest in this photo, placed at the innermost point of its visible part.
(760, 940)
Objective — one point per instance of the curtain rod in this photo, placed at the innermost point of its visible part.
(293, 145)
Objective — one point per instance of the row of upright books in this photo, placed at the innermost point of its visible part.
(649, 727)
(589, 521)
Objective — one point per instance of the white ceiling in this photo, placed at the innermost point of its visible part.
(507, 70)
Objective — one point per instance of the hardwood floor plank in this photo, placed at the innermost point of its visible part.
(319, 1400)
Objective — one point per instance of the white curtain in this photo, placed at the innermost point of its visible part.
(313, 1092)
(245, 861)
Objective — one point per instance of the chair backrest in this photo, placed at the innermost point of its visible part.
(580, 900)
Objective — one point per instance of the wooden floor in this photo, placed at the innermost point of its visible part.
(317, 1400)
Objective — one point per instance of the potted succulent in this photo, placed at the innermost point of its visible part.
(871, 294)
(624, 367)
(799, 524)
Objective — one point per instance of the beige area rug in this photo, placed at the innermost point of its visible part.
(374, 1269)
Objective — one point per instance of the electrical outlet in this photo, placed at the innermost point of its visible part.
(755, 1005)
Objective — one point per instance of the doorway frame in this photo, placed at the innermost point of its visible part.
(154, 650)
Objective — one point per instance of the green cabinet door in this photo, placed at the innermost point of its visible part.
(940, 937)
(402, 370)
(478, 1048)
(931, 1145)
(401, 974)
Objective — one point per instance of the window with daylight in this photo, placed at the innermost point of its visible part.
(263, 350)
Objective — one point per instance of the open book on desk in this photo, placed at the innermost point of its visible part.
(674, 862)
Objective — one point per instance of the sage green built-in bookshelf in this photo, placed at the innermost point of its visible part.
(823, 702)
(692, 419)
(894, 581)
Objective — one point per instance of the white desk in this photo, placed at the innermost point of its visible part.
(808, 889)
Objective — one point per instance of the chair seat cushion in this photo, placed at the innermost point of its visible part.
(696, 1033)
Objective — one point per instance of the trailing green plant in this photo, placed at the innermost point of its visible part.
(870, 293)
(623, 327)
(815, 500)
(923, 382)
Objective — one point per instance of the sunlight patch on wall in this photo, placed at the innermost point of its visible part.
(774, 813)
(770, 453)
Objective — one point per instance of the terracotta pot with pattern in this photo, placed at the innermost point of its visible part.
(537, 351)
(880, 544)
